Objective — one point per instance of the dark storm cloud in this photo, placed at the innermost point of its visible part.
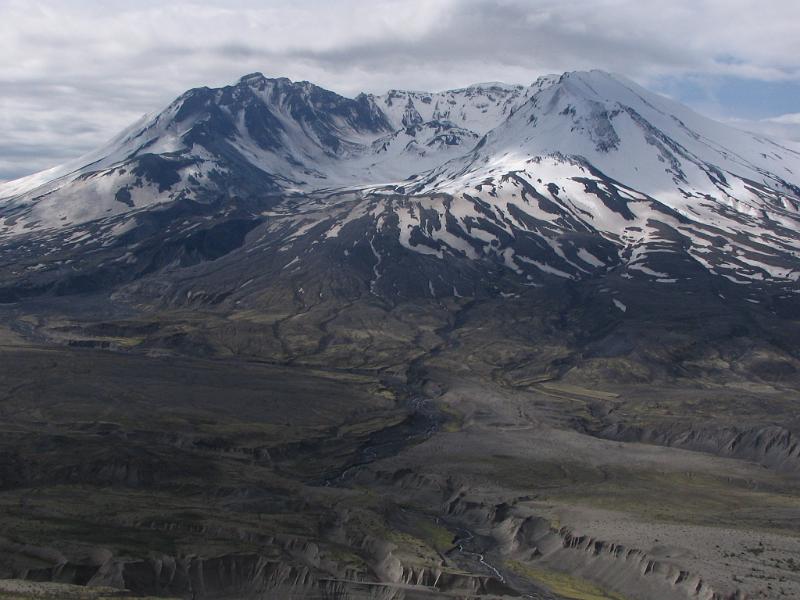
(74, 73)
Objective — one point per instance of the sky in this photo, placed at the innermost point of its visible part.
(75, 72)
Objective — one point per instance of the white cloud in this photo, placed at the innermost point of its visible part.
(73, 73)
(783, 127)
(790, 119)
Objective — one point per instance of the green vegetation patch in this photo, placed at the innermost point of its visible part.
(566, 586)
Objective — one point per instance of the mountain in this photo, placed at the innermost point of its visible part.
(259, 137)
(598, 153)
(495, 342)
(571, 177)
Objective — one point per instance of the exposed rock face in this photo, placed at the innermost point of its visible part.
(771, 446)
(257, 576)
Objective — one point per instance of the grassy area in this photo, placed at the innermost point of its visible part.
(437, 537)
(13, 589)
(659, 495)
(546, 477)
(455, 420)
(566, 586)
(686, 497)
(574, 390)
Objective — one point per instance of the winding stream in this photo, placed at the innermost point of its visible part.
(423, 421)
(469, 537)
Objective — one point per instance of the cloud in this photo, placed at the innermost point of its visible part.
(783, 127)
(74, 73)
(790, 119)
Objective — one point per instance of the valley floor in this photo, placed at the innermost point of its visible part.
(130, 463)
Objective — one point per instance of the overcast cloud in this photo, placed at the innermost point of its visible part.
(75, 72)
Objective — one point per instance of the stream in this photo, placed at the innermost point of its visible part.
(466, 539)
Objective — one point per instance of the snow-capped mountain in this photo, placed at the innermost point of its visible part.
(259, 137)
(475, 190)
(594, 152)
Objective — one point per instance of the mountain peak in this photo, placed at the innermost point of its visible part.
(494, 85)
(252, 77)
(595, 85)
